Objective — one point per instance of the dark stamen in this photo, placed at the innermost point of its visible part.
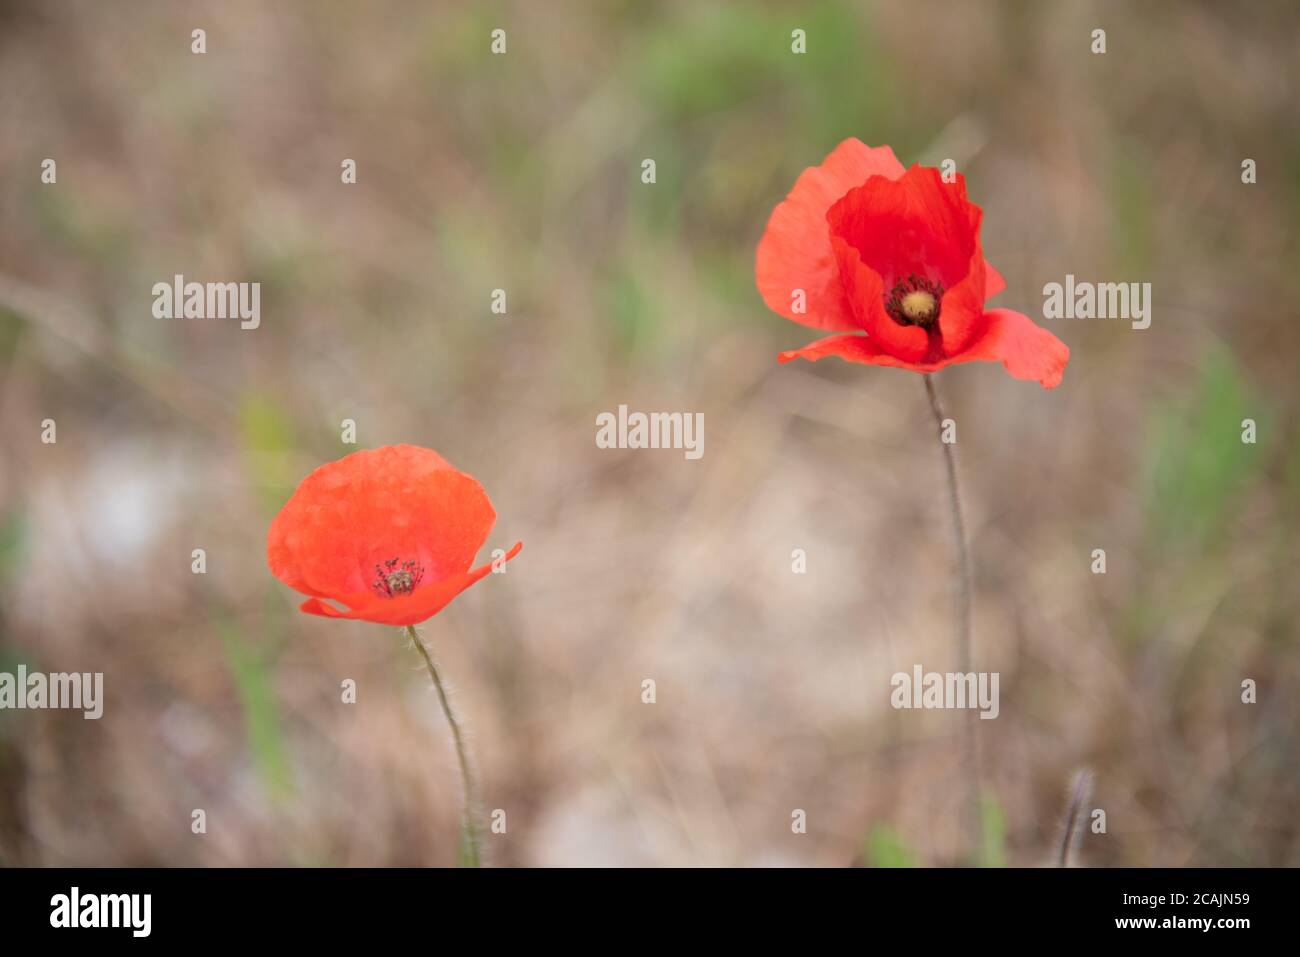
(396, 577)
(915, 301)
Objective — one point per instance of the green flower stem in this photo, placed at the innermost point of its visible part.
(470, 850)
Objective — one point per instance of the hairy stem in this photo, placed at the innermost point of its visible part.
(471, 846)
(963, 591)
(1080, 791)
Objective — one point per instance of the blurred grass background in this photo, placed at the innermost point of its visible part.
(522, 172)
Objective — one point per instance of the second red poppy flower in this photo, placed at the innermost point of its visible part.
(389, 533)
(862, 245)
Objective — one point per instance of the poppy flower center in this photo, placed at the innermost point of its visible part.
(396, 577)
(914, 301)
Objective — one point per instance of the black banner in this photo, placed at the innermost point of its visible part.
(332, 907)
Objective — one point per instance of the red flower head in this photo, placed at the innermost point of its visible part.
(390, 533)
(896, 254)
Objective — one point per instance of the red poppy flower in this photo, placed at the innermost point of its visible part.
(390, 533)
(895, 254)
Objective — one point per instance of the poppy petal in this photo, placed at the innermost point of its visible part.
(866, 292)
(855, 348)
(398, 501)
(795, 251)
(886, 231)
(421, 604)
(916, 223)
(962, 314)
(1027, 350)
(993, 282)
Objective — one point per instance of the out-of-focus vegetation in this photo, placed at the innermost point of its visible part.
(523, 172)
